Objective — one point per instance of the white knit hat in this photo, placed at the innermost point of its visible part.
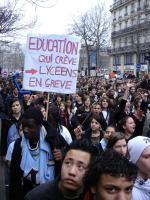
(136, 147)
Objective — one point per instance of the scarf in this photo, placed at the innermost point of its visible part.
(41, 160)
(141, 189)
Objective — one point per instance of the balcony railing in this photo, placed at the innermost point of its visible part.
(145, 5)
(120, 50)
(130, 48)
(123, 2)
(119, 3)
(138, 9)
(131, 29)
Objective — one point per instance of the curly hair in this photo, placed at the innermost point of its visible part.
(111, 163)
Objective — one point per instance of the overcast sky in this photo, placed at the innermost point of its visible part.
(55, 19)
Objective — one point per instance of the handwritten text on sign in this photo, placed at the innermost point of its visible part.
(51, 63)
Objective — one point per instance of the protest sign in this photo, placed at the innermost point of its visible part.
(4, 72)
(51, 63)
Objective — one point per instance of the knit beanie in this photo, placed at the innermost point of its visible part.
(33, 113)
(136, 147)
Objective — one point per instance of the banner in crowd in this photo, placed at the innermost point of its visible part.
(4, 72)
(51, 63)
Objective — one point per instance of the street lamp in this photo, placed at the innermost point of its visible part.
(147, 57)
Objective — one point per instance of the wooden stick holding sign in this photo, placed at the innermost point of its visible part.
(47, 106)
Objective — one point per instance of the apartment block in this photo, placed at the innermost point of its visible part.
(130, 35)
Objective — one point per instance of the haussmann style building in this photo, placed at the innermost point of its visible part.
(130, 35)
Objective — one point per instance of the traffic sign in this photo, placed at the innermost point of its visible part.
(138, 66)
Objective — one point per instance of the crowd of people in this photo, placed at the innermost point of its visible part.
(91, 145)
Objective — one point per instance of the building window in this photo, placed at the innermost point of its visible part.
(114, 16)
(132, 8)
(139, 5)
(120, 42)
(114, 27)
(139, 18)
(132, 21)
(125, 41)
(126, 11)
(146, 15)
(146, 4)
(142, 58)
(126, 23)
(128, 59)
(120, 26)
(132, 40)
(114, 44)
(119, 13)
(116, 60)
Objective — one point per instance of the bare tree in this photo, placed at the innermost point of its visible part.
(12, 57)
(13, 17)
(81, 28)
(10, 21)
(13, 23)
(94, 29)
(43, 3)
(100, 28)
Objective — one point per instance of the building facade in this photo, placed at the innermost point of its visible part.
(11, 57)
(97, 66)
(130, 35)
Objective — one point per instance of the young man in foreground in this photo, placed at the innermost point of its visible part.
(70, 185)
(111, 177)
